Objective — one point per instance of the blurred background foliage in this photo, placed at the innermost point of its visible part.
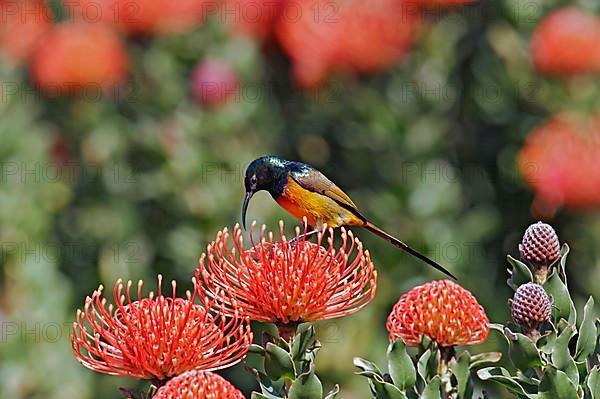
(418, 114)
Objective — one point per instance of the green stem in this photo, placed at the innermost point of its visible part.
(446, 356)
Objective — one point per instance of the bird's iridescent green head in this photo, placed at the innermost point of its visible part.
(264, 173)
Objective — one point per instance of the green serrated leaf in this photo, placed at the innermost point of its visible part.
(593, 382)
(486, 358)
(278, 363)
(333, 393)
(563, 306)
(555, 384)
(432, 390)
(522, 351)
(561, 357)
(400, 365)
(588, 335)
(461, 371)
(520, 273)
(501, 376)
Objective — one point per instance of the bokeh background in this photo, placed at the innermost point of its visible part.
(126, 126)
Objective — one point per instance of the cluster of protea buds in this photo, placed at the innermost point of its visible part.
(540, 248)
(554, 355)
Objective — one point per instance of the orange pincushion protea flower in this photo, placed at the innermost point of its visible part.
(559, 161)
(158, 337)
(197, 384)
(359, 36)
(288, 282)
(441, 310)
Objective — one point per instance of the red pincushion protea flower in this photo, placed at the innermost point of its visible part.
(567, 42)
(158, 337)
(24, 25)
(362, 36)
(197, 384)
(77, 57)
(255, 18)
(143, 18)
(559, 162)
(288, 282)
(441, 310)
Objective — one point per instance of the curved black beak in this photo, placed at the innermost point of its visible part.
(249, 195)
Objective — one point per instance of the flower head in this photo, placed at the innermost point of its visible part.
(558, 161)
(441, 310)
(567, 42)
(531, 306)
(197, 384)
(540, 244)
(285, 282)
(157, 337)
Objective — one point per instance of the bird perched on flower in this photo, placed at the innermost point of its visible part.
(305, 192)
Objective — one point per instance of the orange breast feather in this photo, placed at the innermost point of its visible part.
(317, 208)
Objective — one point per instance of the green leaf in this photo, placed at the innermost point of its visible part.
(586, 342)
(278, 363)
(400, 365)
(460, 369)
(385, 390)
(561, 357)
(432, 390)
(555, 384)
(333, 393)
(593, 382)
(304, 338)
(428, 364)
(563, 306)
(501, 376)
(522, 351)
(366, 365)
(546, 342)
(562, 264)
(520, 273)
(306, 386)
(257, 349)
(256, 395)
(486, 358)
(270, 389)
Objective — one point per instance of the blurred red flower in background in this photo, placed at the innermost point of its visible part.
(214, 82)
(139, 17)
(441, 310)
(77, 56)
(255, 18)
(158, 337)
(559, 161)
(361, 36)
(441, 3)
(24, 25)
(288, 282)
(567, 42)
(197, 384)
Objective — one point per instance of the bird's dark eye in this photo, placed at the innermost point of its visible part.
(253, 179)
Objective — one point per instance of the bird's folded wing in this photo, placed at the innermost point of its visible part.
(317, 182)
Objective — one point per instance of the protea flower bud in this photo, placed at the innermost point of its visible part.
(531, 307)
(540, 248)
